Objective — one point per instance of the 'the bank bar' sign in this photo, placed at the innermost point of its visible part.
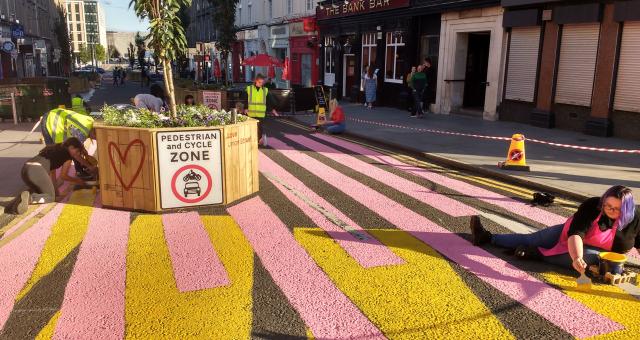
(354, 7)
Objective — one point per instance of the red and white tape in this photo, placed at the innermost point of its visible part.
(443, 132)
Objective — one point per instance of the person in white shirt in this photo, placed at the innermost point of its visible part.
(154, 102)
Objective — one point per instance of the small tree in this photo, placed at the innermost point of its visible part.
(223, 16)
(167, 36)
(101, 54)
(115, 53)
(131, 50)
(84, 54)
(61, 30)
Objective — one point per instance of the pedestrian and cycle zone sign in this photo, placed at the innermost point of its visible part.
(190, 168)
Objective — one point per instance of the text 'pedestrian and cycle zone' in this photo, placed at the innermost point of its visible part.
(190, 168)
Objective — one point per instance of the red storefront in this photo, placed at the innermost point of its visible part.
(304, 52)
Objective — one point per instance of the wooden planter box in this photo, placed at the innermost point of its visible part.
(170, 168)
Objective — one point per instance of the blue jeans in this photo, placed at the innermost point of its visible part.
(545, 238)
(334, 128)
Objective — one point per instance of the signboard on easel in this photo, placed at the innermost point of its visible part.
(322, 104)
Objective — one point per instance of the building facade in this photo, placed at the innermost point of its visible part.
(574, 65)
(120, 41)
(86, 23)
(202, 27)
(27, 38)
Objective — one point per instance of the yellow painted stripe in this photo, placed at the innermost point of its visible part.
(66, 235)
(607, 300)
(47, 332)
(423, 298)
(28, 224)
(155, 309)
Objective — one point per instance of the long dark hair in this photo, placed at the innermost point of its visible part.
(73, 141)
(628, 206)
(370, 71)
(157, 91)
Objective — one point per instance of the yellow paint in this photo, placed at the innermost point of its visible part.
(155, 309)
(310, 335)
(422, 299)
(66, 235)
(607, 300)
(47, 332)
(613, 257)
(28, 224)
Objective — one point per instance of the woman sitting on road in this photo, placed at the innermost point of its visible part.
(607, 223)
(337, 123)
(39, 173)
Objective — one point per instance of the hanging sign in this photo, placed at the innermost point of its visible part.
(190, 168)
(355, 7)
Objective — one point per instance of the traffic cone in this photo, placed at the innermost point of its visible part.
(516, 159)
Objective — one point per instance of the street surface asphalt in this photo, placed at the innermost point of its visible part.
(343, 240)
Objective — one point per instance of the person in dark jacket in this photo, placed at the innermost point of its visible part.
(607, 223)
(429, 95)
(419, 83)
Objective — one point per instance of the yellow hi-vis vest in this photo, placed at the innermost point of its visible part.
(61, 124)
(77, 105)
(257, 101)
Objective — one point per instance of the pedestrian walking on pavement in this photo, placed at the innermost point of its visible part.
(607, 223)
(410, 88)
(39, 173)
(419, 83)
(259, 101)
(336, 125)
(370, 87)
(429, 94)
(116, 76)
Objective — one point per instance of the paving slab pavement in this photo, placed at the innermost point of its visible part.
(585, 173)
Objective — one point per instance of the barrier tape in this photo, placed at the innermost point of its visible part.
(442, 132)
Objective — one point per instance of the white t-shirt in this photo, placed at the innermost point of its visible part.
(148, 101)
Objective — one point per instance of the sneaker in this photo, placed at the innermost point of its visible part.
(21, 204)
(479, 235)
(413, 116)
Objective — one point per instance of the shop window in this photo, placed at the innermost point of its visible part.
(368, 50)
(329, 62)
(394, 58)
(289, 6)
(310, 5)
(429, 48)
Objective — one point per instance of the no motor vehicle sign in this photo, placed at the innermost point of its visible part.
(190, 168)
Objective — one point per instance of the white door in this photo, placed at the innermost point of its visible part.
(627, 96)
(576, 68)
(523, 63)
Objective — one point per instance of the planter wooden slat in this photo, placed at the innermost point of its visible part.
(129, 180)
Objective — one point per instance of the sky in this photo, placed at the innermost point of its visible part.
(120, 18)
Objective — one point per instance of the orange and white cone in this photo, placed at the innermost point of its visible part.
(516, 159)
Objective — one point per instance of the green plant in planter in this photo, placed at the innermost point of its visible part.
(187, 116)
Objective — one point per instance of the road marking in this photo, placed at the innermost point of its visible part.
(517, 284)
(365, 249)
(18, 259)
(427, 196)
(423, 299)
(324, 308)
(156, 309)
(507, 203)
(93, 305)
(195, 263)
(47, 331)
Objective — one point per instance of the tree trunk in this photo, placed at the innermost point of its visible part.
(168, 83)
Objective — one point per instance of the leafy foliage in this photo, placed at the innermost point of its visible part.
(115, 53)
(224, 17)
(61, 30)
(100, 53)
(187, 116)
(84, 55)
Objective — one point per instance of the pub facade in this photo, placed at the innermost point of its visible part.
(392, 36)
(573, 65)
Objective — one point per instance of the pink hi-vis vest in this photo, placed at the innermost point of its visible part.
(594, 237)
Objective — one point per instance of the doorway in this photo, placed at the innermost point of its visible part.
(475, 80)
(348, 75)
(305, 70)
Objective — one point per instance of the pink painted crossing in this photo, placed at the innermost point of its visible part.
(541, 298)
(94, 300)
(324, 308)
(19, 257)
(427, 196)
(507, 203)
(369, 252)
(196, 264)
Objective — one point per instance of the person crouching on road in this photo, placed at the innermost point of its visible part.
(259, 101)
(336, 125)
(39, 172)
(154, 101)
(607, 223)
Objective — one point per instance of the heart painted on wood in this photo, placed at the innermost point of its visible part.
(123, 160)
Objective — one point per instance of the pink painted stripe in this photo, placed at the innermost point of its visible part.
(441, 202)
(368, 252)
(543, 299)
(23, 221)
(94, 300)
(196, 264)
(324, 308)
(507, 203)
(18, 259)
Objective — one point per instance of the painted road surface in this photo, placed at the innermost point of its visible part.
(343, 241)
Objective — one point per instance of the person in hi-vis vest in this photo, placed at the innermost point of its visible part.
(78, 105)
(258, 102)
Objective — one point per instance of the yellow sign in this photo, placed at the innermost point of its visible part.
(322, 117)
